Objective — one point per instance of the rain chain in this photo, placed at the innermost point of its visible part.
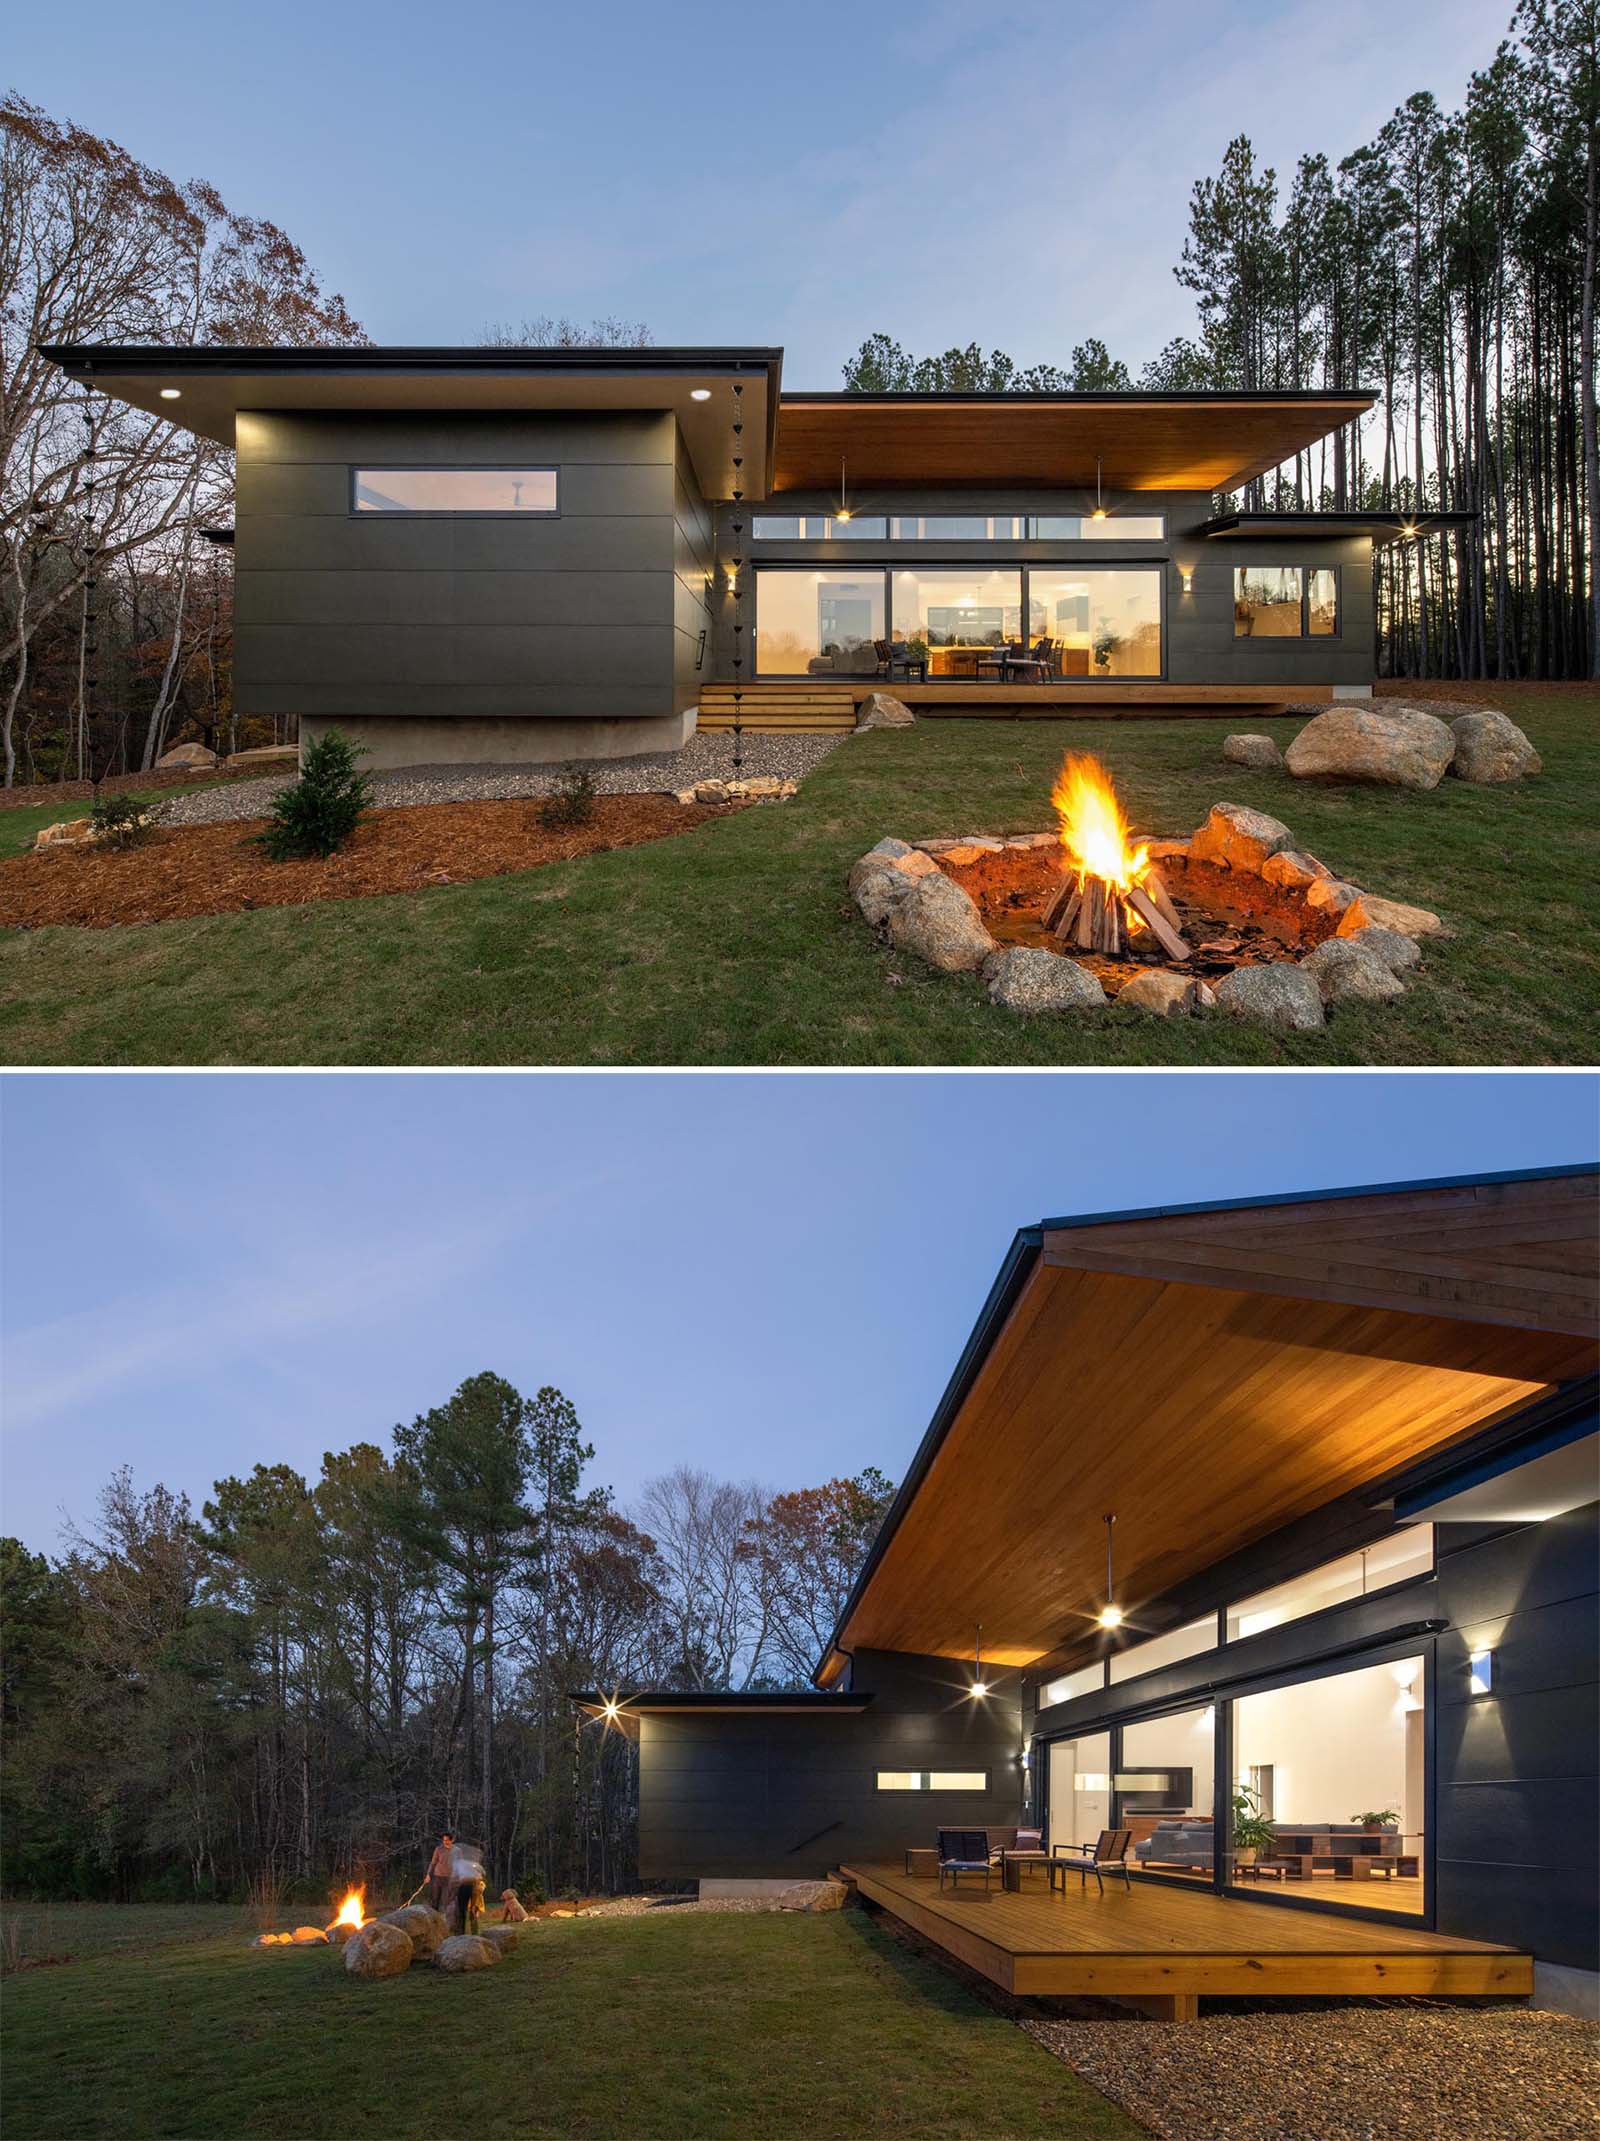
(89, 632)
(736, 580)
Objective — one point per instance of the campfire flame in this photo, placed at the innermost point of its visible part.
(1094, 832)
(350, 1908)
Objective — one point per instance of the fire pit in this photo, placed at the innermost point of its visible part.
(1235, 917)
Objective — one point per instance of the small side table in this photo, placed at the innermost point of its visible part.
(1012, 1863)
(922, 1862)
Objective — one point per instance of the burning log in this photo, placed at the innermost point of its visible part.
(1115, 893)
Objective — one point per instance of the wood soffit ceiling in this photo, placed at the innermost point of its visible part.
(1144, 443)
(1212, 1377)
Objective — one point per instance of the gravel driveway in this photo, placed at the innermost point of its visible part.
(707, 756)
(1415, 2073)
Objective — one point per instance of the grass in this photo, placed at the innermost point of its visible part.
(21, 824)
(737, 944)
(665, 2027)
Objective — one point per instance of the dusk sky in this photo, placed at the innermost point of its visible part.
(769, 1276)
(1016, 173)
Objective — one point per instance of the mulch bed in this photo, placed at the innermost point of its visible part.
(181, 872)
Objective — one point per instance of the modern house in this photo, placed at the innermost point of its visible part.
(500, 555)
(1349, 1444)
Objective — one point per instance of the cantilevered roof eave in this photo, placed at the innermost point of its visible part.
(1024, 1254)
(216, 382)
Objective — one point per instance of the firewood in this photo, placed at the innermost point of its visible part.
(1158, 892)
(1060, 910)
(1171, 940)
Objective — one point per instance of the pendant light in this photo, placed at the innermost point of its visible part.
(980, 1686)
(1098, 514)
(1110, 1612)
(844, 512)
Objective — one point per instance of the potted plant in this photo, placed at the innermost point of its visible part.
(1253, 1834)
(1387, 1818)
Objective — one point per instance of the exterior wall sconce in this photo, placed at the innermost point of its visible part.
(1480, 1672)
(1186, 575)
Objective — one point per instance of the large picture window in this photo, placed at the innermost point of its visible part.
(1333, 1768)
(818, 623)
(1285, 602)
(1099, 623)
(454, 490)
(960, 615)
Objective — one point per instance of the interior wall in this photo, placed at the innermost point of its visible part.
(1337, 1746)
(1187, 1742)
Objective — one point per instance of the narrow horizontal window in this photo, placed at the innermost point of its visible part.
(933, 1780)
(1166, 1649)
(1086, 1681)
(818, 528)
(1084, 528)
(1402, 1555)
(958, 528)
(454, 490)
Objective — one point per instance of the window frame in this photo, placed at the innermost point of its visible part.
(452, 468)
(1305, 571)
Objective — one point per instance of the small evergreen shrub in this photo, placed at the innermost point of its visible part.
(317, 815)
(118, 820)
(572, 800)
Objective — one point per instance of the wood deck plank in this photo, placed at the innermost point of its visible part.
(1154, 1942)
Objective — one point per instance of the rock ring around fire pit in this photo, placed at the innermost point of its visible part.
(1235, 918)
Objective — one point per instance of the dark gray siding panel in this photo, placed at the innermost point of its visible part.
(362, 615)
(693, 562)
(745, 1796)
(1517, 1799)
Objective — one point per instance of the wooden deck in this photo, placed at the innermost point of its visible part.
(829, 703)
(1160, 1949)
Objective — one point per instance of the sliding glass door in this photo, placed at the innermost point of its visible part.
(1334, 1769)
(1079, 1789)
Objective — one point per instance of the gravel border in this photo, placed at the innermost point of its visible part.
(706, 756)
(1413, 2073)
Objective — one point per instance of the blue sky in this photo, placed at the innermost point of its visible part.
(1016, 173)
(770, 1276)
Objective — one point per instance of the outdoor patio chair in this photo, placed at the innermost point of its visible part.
(895, 658)
(964, 1851)
(1107, 1854)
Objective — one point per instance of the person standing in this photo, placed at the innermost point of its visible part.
(440, 1879)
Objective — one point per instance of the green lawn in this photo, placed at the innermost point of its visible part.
(661, 2028)
(22, 824)
(737, 943)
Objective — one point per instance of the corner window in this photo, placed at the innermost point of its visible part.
(933, 1780)
(453, 490)
(1285, 602)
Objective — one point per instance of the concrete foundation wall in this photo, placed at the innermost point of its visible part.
(395, 743)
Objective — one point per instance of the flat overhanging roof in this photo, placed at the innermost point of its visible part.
(214, 384)
(1382, 527)
(623, 1710)
(1210, 1374)
(1143, 442)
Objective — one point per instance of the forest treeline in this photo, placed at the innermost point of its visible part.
(1449, 264)
(303, 1681)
